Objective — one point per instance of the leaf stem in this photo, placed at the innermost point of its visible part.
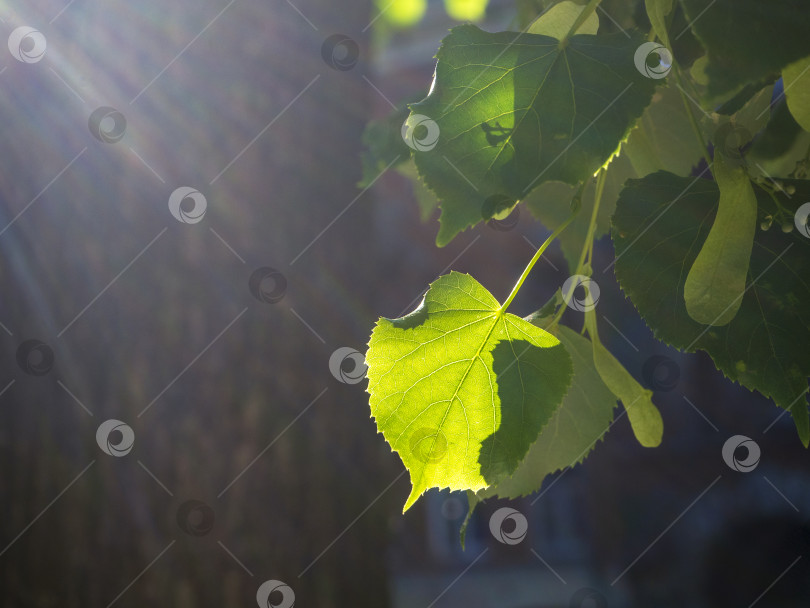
(588, 244)
(534, 259)
(601, 179)
(781, 212)
(691, 115)
(581, 18)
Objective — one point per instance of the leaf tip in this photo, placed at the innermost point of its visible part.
(412, 498)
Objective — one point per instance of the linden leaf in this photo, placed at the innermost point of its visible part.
(461, 389)
(748, 40)
(583, 418)
(509, 111)
(660, 223)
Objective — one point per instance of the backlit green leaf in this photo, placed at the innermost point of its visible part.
(560, 18)
(461, 389)
(514, 110)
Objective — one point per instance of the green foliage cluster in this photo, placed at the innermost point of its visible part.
(682, 128)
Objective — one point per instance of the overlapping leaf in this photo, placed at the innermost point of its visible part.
(515, 110)
(660, 224)
(748, 40)
(663, 137)
(576, 427)
(460, 389)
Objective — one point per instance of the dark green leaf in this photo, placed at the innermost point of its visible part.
(580, 422)
(779, 135)
(745, 95)
(661, 221)
(515, 110)
(748, 40)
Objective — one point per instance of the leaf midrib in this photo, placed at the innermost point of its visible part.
(496, 317)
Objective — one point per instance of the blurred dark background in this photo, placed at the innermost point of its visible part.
(252, 460)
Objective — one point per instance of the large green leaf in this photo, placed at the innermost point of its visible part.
(515, 110)
(748, 40)
(461, 389)
(660, 224)
(580, 422)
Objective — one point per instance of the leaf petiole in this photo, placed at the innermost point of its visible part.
(587, 246)
(540, 250)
